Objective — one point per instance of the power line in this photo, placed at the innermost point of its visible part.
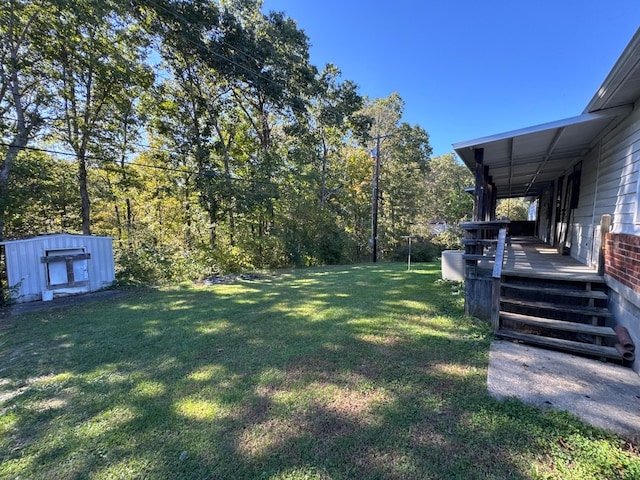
(221, 41)
(231, 61)
(157, 167)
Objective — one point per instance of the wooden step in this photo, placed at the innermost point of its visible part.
(491, 225)
(581, 310)
(478, 241)
(564, 345)
(469, 256)
(597, 294)
(559, 325)
(592, 278)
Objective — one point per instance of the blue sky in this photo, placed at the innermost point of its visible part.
(467, 69)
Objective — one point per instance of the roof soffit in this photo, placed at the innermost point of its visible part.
(522, 160)
(621, 85)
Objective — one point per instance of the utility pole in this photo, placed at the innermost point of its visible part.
(375, 195)
(375, 198)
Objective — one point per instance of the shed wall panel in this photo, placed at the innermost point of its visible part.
(27, 275)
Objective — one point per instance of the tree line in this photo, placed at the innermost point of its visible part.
(202, 139)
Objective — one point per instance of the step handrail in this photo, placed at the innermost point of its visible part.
(499, 259)
(497, 275)
(482, 288)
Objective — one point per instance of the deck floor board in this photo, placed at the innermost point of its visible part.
(527, 256)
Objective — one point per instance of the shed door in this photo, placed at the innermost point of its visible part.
(63, 273)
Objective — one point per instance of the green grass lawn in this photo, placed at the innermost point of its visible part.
(358, 372)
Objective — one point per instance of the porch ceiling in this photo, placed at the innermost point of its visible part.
(523, 162)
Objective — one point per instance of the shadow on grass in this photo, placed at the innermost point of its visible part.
(344, 372)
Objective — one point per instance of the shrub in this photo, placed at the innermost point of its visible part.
(421, 251)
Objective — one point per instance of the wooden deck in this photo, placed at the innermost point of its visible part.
(527, 256)
(543, 298)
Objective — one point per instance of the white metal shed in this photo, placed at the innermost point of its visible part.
(42, 267)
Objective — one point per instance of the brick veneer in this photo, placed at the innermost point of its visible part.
(622, 259)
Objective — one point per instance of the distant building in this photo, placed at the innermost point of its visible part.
(437, 226)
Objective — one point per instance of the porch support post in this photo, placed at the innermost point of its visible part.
(493, 202)
(605, 227)
(486, 189)
(478, 196)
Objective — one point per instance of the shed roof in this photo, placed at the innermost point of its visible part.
(523, 162)
(40, 238)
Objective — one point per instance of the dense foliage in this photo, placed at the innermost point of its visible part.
(515, 209)
(199, 136)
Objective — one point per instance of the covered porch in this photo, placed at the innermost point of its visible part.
(547, 284)
(580, 172)
(543, 163)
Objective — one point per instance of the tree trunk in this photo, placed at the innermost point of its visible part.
(129, 223)
(323, 192)
(227, 176)
(84, 195)
(118, 222)
(18, 143)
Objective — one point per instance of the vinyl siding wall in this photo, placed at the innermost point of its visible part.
(609, 185)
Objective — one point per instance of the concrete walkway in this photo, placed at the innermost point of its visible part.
(601, 394)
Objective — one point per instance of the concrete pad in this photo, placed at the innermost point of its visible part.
(601, 394)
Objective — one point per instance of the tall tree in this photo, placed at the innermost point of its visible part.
(185, 121)
(24, 83)
(43, 198)
(446, 198)
(404, 180)
(97, 55)
(333, 107)
(274, 77)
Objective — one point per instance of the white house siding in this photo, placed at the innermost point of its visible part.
(583, 233)
(609, 185)
(609, 178)
(617, 185)
(27, 275)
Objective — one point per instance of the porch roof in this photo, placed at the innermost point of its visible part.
(522, 162)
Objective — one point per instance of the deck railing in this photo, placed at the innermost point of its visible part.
(484, 242)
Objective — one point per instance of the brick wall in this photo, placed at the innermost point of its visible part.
(622, 259)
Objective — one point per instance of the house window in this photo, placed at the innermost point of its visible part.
(66, 268)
